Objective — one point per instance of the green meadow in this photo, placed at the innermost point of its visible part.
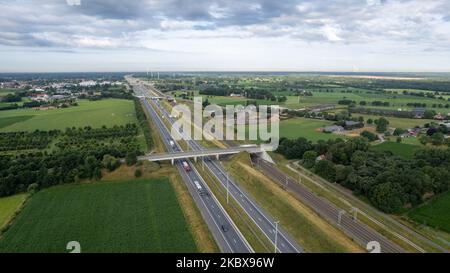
(108, 112)
(435, 213)
(8, 206)
(125, 216)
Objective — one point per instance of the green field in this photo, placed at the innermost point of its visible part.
(404, 123)
(108, 112)
(222, 100)
(126, 216)
(400, 149)
(7, 121)
(8, 206)
(434, 213)
(302, 127)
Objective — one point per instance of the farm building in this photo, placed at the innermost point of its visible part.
(350, 124)
(333, 128)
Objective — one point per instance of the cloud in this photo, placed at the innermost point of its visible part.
(101, 23)
(228, 26)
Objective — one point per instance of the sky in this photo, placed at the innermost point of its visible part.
(225, 35)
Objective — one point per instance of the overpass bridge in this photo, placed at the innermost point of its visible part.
(200, 153)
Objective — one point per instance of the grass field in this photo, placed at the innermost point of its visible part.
(126, 216)
(400, 149)
(8, 206)
(434, 213)
(107, 112)
(7, 121)
(307, 128)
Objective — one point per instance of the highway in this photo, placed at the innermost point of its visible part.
(226, 234)
(285, 243)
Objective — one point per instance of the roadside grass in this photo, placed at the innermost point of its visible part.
(399, 149)
(122, 216)
(311, 231)
(434, 213)
(8, 207)
(108, 112)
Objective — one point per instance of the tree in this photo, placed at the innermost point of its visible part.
(325, 169)
(370, 121)
(97, 174)
(309, 159)
(386, 197)
(429, 114)
(205, 103)
(382, 125)
(399, 131)
(437, 139)
(369, 135)
(138, 173)
(131, 158)
(110, 162)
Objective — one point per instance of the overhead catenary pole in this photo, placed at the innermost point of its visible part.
(227, 188)
(276, 235)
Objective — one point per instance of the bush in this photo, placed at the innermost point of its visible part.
(138, 173)
(369, 135)
(131, 159)
(33, 188)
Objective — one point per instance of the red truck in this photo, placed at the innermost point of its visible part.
(186, 166)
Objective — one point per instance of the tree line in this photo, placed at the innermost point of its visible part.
(389, 182)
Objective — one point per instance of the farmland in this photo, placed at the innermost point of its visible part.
(307, 128)
(400, 149)
(108, 112)
(125, 216)
(8, 206)
(434, 213)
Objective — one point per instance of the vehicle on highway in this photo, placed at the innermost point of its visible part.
(186, 166)
(224, 228)
(200, 189)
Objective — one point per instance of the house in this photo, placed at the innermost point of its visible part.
(413, 132)
(320, 158)
(439, 117)
(350, 124)
(40, 97)
(333, 128)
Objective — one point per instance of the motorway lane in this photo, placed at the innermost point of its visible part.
(266, 224)
(224, 231)
(355, 229)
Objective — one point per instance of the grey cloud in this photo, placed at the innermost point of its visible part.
(321, 21)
